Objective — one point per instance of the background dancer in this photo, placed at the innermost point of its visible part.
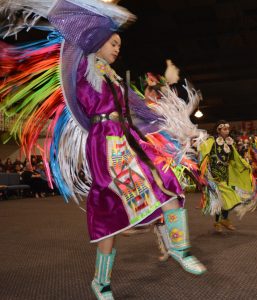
(229, 174)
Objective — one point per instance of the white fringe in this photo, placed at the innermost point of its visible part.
(249, 203)
(33, 10)
(39, 7)
(176, 115)
(72, 159)
(214, 205)
(91, 75)
(242, 209)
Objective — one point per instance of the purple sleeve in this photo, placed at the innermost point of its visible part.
(143, 117)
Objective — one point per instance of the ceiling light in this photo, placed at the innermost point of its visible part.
(198, 113)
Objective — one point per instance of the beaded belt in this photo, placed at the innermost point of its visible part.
(114, 116)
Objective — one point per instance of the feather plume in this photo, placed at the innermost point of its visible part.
(172, 72)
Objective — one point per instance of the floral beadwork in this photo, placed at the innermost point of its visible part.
(172, 218)
(104, 69)
(225, 143)
(176, 235)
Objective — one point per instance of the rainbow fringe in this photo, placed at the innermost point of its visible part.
(30, 89)
(30, 92)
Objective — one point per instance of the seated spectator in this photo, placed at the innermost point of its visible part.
(33, 161)
(18, 168)
(17, 162)
(40, 169)
(8, 165)
(32, 178)
(2, 169)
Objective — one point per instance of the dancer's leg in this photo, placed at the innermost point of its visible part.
(105, 246)
(225, 220)
(217, 224)
(178, 236)
(161, 232)
(101, 283)
(171, 205)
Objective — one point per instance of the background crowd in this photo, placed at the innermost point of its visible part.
(31, 173)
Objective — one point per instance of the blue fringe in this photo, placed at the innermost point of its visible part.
(54, 37)
(55, 167)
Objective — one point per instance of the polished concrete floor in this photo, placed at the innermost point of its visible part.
(45, 255)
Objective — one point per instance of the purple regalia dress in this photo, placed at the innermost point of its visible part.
(123, 192)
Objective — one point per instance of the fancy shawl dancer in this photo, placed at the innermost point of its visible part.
(229, 175)
(93, 113)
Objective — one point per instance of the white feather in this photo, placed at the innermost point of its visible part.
(171, 73)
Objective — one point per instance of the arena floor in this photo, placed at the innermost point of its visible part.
(45, 255)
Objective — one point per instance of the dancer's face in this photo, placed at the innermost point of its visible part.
(224, 131)
(110, 50)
